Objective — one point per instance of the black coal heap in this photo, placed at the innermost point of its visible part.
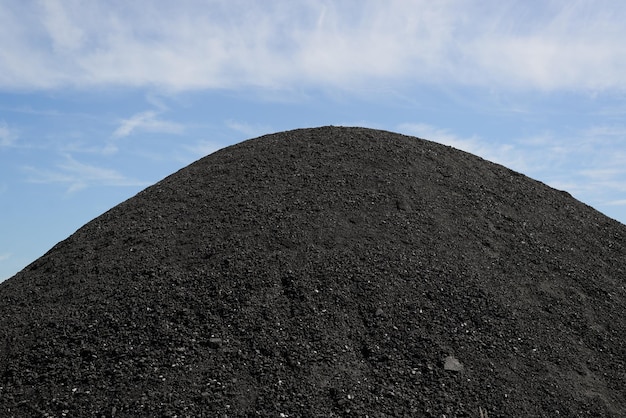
(325, 272)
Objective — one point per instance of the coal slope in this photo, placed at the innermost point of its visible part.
(327, 272)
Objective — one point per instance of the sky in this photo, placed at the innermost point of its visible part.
(100, 99)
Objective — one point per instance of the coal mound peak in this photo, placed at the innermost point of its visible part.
(325, 272)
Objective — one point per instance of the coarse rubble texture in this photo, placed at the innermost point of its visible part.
(327, 272)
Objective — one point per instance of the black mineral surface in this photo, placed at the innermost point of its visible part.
(327, 272)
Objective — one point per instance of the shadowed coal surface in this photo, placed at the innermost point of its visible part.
(325, 272)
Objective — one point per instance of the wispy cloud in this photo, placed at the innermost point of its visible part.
(64, 33)
(77, 176)
(250, 130)
(7, 135)
(146, 121)
(547, 45)
(571, 45)
(5, 256)
(443, 136)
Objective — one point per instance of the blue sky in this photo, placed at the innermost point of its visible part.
(98, 100)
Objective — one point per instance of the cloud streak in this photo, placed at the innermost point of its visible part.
(77, 176)
(7, 135)
(146, 121)
(280, 44)
(248, 129)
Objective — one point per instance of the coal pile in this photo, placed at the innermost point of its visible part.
(328, 272)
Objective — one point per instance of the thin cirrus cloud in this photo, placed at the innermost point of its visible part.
(250, 130)
(281, 44)
(202, 148)
(146, 121)
(77, 176)
(7, 135)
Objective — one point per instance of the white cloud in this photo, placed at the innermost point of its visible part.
(443, 136)
(282, 44)
(248, 129)
(7, 135)
(146, 121)
(5, 256)
(77, 176)
(574, 45)
(66, 35)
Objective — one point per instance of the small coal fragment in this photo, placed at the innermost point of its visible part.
(452, 364)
